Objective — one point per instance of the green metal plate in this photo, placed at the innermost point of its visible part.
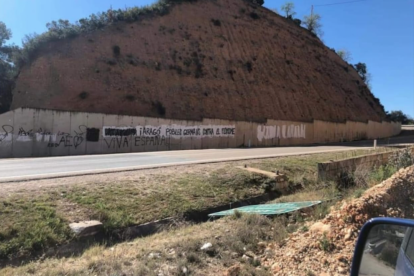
(268, 209)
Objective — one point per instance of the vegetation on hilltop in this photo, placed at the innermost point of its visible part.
(62, 29)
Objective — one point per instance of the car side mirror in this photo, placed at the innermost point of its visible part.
(385, 247)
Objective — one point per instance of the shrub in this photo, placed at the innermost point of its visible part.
(83, 95)
(254, 15)
(249, 66)
(116, 50)
(111, 61)
(130, 98)
(401, 159)
(159, 107)
(216, 22)
(297, 21)
(257, 2)
(325, 244)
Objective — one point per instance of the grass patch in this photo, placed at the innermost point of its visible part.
(117, 205)
(169, 252)
(29, 225)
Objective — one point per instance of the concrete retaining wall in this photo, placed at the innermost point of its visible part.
(332, 170)
(35, 132)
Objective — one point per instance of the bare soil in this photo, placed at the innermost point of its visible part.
(253, 66)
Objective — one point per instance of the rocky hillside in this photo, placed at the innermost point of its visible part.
(225, 59)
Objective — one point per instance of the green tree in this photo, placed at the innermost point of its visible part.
(362, 70)
(7, 70)
(399, 116)
(289, 9)
(313, 24)
(6, 53)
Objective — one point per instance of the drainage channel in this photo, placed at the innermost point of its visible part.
(78, 245)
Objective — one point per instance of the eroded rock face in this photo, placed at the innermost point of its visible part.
(309, 251)
(186, 65)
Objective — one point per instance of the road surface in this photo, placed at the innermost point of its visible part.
(49, 167)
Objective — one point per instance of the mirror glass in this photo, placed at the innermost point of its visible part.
(389, 251)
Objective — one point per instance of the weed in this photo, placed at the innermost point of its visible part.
(187, 62)
(171, 31)
(130, 97)
(254, 15)
(132, 60)
(159, 108)
(310, 273)
(358, 193)
(162, 28)
(345, 180)
(304, 228)
(256, 262)
(322, 210)
(216, 22)
(177, 68)
(382, 173)
(111, 61)
(249, 66)
(242, 10)
(237, 214)
(325, 244)
(83, 95)
(158, 66)
(193, 258)
(248, 229)
(199, 69)
(116, 50)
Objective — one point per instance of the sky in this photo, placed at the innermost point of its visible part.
(379, 33)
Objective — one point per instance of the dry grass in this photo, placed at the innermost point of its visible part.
(170, 252)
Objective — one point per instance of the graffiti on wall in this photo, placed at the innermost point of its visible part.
(53, 140)
(115, 136)
(281, 132)
(6, 133)
(173, 131)
(121, 137)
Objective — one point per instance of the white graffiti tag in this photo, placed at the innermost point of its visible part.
(281, 132)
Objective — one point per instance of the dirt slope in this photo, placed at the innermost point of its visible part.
(225, 59)
(302, 253)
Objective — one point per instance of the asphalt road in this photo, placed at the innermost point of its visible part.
(48, 167)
